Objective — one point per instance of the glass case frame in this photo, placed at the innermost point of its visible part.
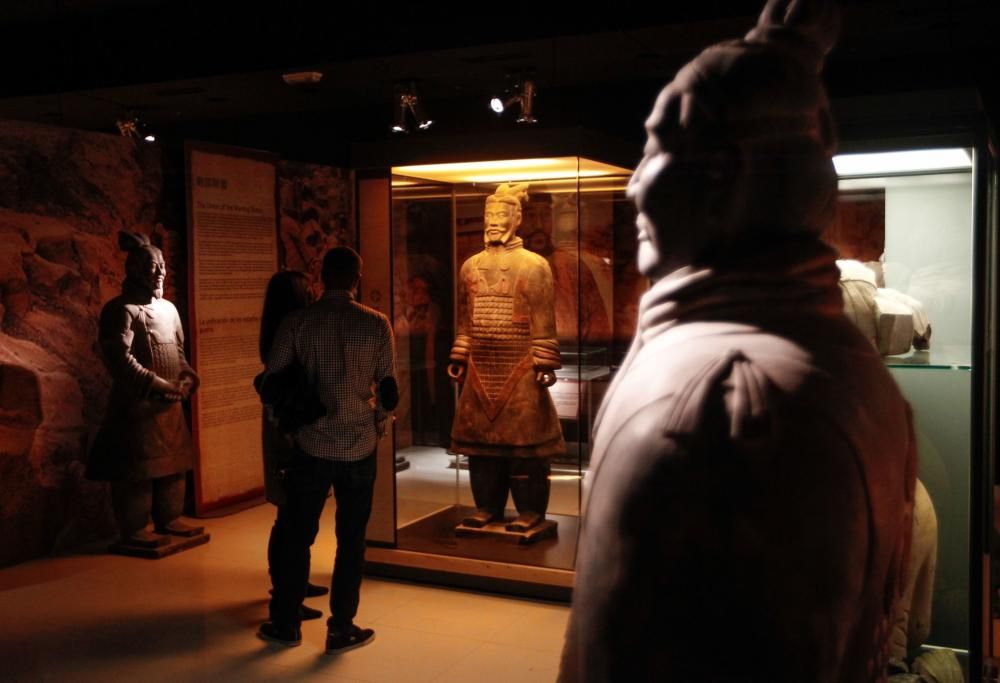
(953, 396)
(575, 214)
(556, 223)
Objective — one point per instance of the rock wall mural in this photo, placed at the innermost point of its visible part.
(64, 195)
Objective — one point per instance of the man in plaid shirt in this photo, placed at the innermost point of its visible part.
(346, 351)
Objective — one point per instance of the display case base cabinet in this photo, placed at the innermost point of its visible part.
(461, 572)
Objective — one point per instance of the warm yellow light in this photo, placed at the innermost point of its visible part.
(477, 166)
(536, 175)
(605, 183)
(511, 170)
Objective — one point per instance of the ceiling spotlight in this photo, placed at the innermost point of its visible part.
(407, 103)
(524, 96)
(131, 126)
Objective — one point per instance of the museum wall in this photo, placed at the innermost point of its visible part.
(64, 195)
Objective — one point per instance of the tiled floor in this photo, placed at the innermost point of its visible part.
(192, 617)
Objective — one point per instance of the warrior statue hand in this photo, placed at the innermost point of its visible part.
(186, 385)
(457, 372)
(165, 389)
(545, 377)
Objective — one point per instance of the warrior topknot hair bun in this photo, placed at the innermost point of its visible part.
(129, 241)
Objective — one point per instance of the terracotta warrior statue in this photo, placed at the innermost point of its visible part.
(143, 446)
(868, 306)
(506, 354)
(912, 624)
(747, 514)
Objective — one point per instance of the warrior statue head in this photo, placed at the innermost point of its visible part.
(503, 213)
(739, 144)
(145, 270)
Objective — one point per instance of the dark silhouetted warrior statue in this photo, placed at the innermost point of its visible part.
(747, 512)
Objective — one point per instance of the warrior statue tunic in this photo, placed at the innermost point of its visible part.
(506, 333)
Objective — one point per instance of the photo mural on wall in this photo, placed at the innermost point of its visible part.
(317, 213)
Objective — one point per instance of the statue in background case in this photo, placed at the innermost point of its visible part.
(892, 321)
(505, 354)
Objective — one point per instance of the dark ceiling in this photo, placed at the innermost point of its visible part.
(212, 70)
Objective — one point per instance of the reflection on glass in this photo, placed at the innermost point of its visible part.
(905, 247)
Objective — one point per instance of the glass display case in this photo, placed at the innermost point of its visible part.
(906, 235)
(916, 237)
(577, 222)
(917, 220)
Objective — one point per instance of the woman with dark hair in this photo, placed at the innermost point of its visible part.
(287, 291)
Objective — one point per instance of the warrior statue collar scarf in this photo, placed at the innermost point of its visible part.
(513, 243)
(790, 276)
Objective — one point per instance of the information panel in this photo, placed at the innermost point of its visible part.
(232, 252)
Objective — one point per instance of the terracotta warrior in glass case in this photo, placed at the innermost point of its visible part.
(505, 354)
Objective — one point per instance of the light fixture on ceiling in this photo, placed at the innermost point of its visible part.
(302, 78)
(524, 96)
(131, 126)
(407, 104)
(550, 170)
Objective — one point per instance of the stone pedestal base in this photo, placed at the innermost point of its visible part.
(544, 529)
(177, 544)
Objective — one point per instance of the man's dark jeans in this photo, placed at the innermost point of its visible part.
(307, 482)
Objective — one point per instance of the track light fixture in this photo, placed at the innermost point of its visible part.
(407, 103)
(302, 78)
(131, 126)
(524, 96)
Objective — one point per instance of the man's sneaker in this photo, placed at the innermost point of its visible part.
(289, 636)
(342, 640)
